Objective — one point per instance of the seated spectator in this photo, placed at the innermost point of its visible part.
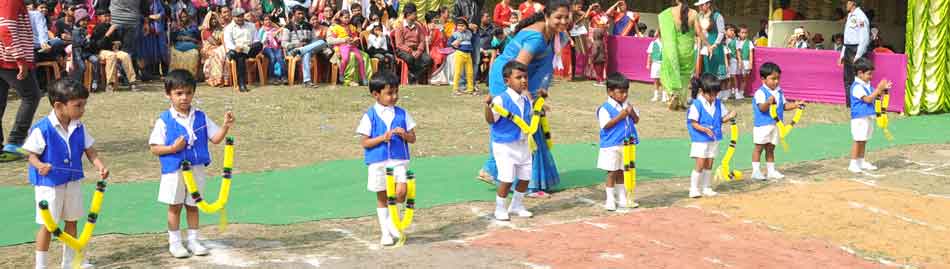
(302, 40)
(838, 40)
(798, 39)
(378, 47)
(82, 51)
(410, 45)
(186, 37)
(47, 48)
(108, 47)
(240, 39)
(271, 35)
(345, 39)
(819, 41)
(213, 52)
(356, 16)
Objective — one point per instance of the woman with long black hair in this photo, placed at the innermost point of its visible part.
(532, 44)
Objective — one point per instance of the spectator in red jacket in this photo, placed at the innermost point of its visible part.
(16, 63)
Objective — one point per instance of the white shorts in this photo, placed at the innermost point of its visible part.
(655, 70)
(610, 159)
(766, 134)
(707, 150)
(746, 67)
(862, 128)
(513, 161)
(172, 189)
(65, 201)
(733, 67)
(376, 175)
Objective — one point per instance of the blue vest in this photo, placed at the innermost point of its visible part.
(764, 118)
(859, 108)
(396, 149)
(196, 154)
(59, 156)
(705, 119)
(504, 130)
(615, 135)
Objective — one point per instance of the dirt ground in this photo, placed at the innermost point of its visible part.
(896, 216)
(285, 127)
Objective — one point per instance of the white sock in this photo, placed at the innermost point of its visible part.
(621, 191)
(861, 162)
(610, 194)
(383, 215)
(694, 180)
(854, 162)
(516, 200)
(68, 255)
(755, 168)
(770, 166)
(174, 236)
(499, 202)
(41, 259)
(707, 176)
(192, 235)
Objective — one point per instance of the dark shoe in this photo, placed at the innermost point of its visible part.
(242, 88)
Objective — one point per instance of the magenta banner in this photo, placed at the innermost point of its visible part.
(628, 55)
(814, 75)
(809, 75)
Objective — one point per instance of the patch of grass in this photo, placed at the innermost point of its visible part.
(283, 127)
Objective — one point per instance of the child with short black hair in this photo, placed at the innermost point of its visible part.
(509, 145)
(461, 40)
(704, 122)
(617, 120)
(56, 145)
(862, 112)
(733, 59)
(386, 131)
(745, 49)
(654, 62)
(378, 46)
(182, 133)
(765, 134)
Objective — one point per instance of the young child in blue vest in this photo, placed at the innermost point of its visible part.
(56, 144)
(510, 145)
(862, 112)
(617, 120)
(182, 133)
(765, 134)
(654, 63)
(704, 121)
(386, 131)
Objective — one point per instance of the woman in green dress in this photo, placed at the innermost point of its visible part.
(711, 37)
(678, 30)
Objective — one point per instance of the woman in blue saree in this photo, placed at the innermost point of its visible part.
(533, 46)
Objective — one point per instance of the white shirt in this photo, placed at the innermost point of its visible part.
(378, 42)
(693, 114)
(519, 102)
(857, 31)
(859, 92)
(760, 96)
(387, 114)
(603, 117)
(240, 36)
(158, 132)
(36, 143)
(650, 47)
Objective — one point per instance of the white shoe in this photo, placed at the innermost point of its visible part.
(757, 175)
(775, 175)
(739, 95)
(196, 248)
(694, 193)
(610, 205)
(868, 166)
(501, 214)
(624, 205)
(178, 250)
(854, 168)
(655, 98)
(708, 192)
(386, 240)
(521, 212)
